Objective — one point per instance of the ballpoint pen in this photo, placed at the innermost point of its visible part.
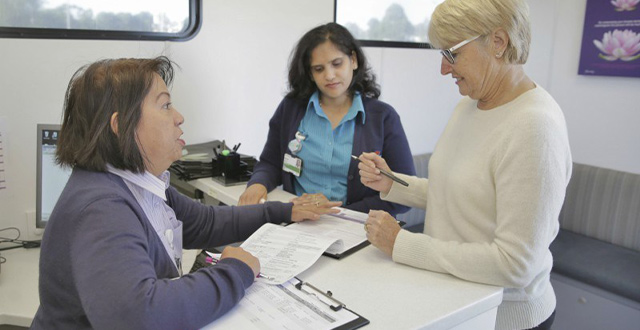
(387, 174)
(213, 260)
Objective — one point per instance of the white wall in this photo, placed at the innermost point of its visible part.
(233, 76)
(603, 113)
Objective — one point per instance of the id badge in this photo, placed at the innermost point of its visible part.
(292, 164)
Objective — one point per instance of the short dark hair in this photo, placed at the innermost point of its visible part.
(95, 92)
(301, 86)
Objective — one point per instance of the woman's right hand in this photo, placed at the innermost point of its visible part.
(370, 176)
(244, 256)
(253, 195)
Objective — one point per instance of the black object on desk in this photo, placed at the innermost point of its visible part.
(197, 162)
(213, 159)
(234, 169)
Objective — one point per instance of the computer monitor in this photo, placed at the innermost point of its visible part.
(50, 177)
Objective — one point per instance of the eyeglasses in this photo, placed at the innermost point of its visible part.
(448, 53)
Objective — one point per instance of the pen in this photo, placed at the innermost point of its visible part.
(212, 260)
(387, 174)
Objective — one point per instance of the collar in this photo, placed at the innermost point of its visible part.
(357, 107)
(147, 181)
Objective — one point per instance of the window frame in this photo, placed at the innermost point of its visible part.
(382, 43)
(195, 22)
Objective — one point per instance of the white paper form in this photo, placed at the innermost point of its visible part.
(346, 226)
(284, 252)
(281, 307)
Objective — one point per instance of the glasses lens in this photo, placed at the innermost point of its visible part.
(447, 54)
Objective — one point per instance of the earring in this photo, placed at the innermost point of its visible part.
(498, 55)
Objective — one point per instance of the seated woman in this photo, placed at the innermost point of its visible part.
(330, 113)
(111, 254)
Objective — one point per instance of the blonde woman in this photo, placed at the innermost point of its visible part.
(498, 174)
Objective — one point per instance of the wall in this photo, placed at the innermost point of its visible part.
(603, 113)
(233, 76)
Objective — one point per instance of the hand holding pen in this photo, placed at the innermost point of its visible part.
(242, 255)
(375, 173)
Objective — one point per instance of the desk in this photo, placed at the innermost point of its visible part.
(390, 295)
(19, 286)
(229, 195)
(396, 296)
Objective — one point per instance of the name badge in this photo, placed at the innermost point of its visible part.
(292, 164)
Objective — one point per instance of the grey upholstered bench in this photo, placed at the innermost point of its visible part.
(414, 218)
(596, 268)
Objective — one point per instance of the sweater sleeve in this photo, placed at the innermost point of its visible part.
(267, 170)
(207, 225)
(413, 195)
(115, 276)
(397, 154)
(531, 172)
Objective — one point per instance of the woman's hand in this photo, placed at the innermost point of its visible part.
(244, 256)
(310, 199)
(370, 175)
(311, 207)
(382, 230)
(253, 195)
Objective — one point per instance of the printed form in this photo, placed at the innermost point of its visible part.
(284, 252)
(347, 226)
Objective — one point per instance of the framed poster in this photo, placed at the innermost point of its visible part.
(611, 39)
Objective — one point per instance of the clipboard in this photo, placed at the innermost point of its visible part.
(334, 304)
(353, 249)
(257, 309)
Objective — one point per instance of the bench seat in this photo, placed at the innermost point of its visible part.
(604, 265)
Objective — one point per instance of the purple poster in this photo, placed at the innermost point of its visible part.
(611, 38)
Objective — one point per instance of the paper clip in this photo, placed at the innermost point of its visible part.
(336, 307)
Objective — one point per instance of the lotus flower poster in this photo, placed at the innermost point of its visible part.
(611, 38)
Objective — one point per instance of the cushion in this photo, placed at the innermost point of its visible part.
(607, 266)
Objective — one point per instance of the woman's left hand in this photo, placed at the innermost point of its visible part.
(382, 230)
(310, 199)
(311, 207)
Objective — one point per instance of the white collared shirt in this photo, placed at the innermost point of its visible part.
(149, 192)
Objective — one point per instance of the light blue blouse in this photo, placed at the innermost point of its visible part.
(326, 153)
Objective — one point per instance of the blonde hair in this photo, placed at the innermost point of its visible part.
(457, 20)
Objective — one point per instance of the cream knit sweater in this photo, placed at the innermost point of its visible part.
(497, 181)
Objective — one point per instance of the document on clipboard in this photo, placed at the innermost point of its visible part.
(292, 305)
(347, 227)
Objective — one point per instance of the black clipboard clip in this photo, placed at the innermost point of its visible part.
(312, 290)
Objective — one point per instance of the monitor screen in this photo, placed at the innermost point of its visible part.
(50, 178)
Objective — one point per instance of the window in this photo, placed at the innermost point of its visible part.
(387, 23)
(100, 19)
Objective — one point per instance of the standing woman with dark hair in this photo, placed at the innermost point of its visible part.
(331, 112)
(111, 253)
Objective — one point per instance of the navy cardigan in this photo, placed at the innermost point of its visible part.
(103, 266)
(381, 132)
